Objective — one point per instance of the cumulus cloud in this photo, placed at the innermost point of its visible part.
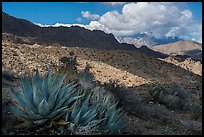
(88, 15)
(55, 25)
(162, 19)
(115, 3)
(61, 24)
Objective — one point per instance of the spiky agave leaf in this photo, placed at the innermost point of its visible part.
(27, 88)
(112, 118)
(43, 107)
(43, 99)
(83, 112)
(108, 111)
(25, 124)
(18, 98)
(23, 105)
(19, 112)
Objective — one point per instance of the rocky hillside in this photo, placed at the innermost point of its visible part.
(157, 97)
(192, 49)
(149, 52)
(135, 62)
(187, 63)
(19, 27)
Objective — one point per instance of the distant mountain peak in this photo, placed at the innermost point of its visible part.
(147, 39)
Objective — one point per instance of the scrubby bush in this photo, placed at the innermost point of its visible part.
(68, 66)
(115, 88)
(120, 91)
(173, 97)
(154, 92)
(86, 78)
(69, 63)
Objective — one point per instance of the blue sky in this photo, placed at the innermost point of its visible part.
(111, 17)
(53, 12)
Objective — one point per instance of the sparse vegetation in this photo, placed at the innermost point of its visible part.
(155, 97)
(51, 101)
(154, 92)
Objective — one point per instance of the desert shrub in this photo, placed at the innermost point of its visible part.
(171, 101)
(173, 97)
(50, 100)
(112, 85)
(119, 92)
(154, 92)
(86, 78)
(115, 88)
(86, 75)
(69, 61)
(68, 66)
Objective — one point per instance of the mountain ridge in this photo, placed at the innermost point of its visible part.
(74, 36)
(66, 36)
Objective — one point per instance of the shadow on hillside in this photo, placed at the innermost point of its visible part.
(172, 96)
(195, 54)
(150, 69)
(167, 105)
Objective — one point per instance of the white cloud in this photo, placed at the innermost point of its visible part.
(88, 15)
(159, 18)
(79, 19)
(162, 19)
(93, 25)
(55, 25)
(115, 3)
(60, 24)
(41, 25)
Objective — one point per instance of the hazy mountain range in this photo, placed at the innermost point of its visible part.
(146, 39)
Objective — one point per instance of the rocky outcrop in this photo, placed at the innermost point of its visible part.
(187, 63)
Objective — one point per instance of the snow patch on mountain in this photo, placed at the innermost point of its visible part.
(146, 40)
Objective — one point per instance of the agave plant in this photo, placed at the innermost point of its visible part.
(98, 109)
(112, 119)
(43, 99)
(83, 113)
(108, 111)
